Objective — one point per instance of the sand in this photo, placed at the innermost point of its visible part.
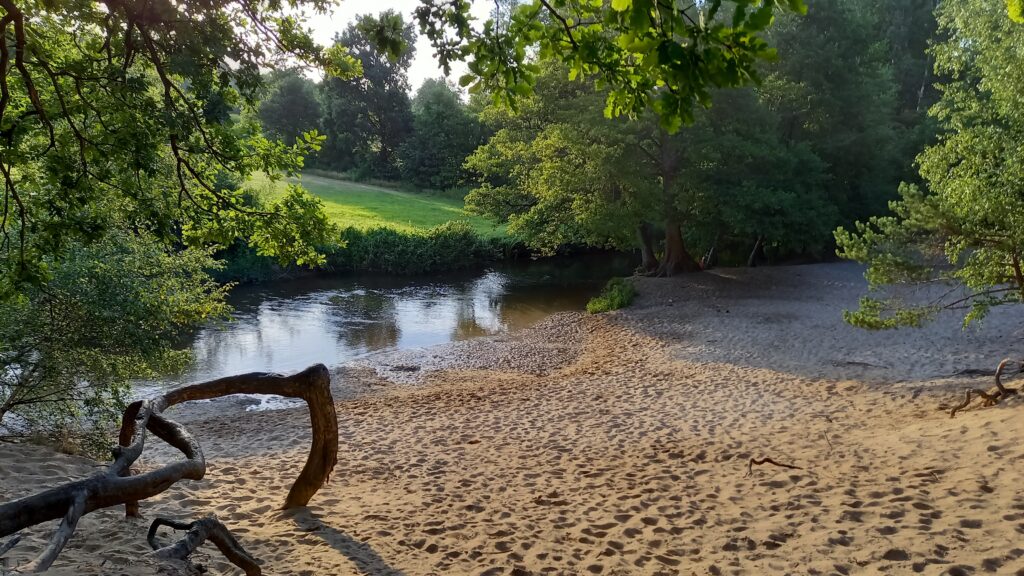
(618, 444)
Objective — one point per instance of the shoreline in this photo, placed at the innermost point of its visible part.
(619, 444)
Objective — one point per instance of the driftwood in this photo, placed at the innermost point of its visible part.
(755, 462)
(209, 528)
(117, 485)
(9, 544)
(989, 398)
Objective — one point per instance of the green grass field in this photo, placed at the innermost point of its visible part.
(363, 206)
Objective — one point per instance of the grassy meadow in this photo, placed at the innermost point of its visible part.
(365, 206)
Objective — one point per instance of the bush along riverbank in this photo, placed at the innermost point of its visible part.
(450, 246)
(617, 293)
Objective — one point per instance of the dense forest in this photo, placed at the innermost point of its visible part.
(724, 133)
(764, 173)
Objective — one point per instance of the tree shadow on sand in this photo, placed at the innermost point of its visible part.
(362, 555)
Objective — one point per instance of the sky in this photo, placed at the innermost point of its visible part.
(424, 65)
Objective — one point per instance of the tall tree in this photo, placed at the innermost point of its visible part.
(559, 173)
(366, 119)
(292, 106)
(962, 225)
(754, 194)
(444, 134)
(118, 129)
(911, 27)
(554, 169)
(833, 86)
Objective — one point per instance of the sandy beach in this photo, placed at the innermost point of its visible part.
(618, 444)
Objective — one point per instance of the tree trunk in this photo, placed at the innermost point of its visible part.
(757, 253)
(708, 261)
(677, 259)
(649, 263)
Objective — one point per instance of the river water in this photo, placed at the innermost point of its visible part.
(288, 325)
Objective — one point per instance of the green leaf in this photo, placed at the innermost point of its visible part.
(761, 18)
(798, 6)
(1016, 10)
(466, 80)
(621, 5)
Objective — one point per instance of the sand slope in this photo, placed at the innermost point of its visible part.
(629, 456)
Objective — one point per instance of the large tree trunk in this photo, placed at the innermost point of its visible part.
(677, 258)
(649, 263)
(117, 486)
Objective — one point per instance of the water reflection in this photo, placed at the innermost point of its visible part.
(286, 326)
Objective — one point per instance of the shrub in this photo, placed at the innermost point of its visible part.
(450, 246)
(617, 293)
(242, 265)
(110, 312)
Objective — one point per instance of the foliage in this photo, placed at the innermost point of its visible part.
(552, 170)
(449, 246)
(108, 314)
(748, 183)
(369, 117)
(650, 54)
(443, 134)
(776, 167)
(126, 128)
(110, 118)
(554, 189)
(292, 107)
(833, 90)
(618, 293)
(962, 225)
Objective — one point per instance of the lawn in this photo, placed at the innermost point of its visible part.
(364, 206)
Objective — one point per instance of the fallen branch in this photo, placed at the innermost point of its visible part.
(989, 398)
(9, 544)
(117, 485)
(209, 528)
(755, 462)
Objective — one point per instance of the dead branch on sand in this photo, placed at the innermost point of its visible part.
(117, 485)
(989, 398)
(209, 528)
(755, 462)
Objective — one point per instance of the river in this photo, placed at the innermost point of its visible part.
(285, 326)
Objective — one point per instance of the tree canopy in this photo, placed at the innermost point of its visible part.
(960, 224)
(118, 113)
(369, 117)
(291, 108)
(649, 53)
(767, 171)
(121, 133)
(444, 133)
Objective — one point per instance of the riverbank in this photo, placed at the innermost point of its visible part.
(619, 444)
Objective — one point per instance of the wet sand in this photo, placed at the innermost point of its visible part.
(619, 444)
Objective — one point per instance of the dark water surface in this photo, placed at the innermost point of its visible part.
(286, 326)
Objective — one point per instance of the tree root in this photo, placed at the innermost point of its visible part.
(209, 528)
(755, 462)
(988, 398)
(117, 485)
